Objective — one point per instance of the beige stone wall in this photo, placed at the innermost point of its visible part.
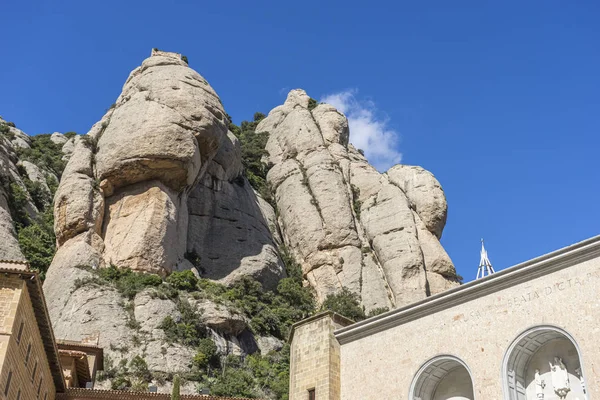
(479, 331)
(16, 307)
(10, 292)
(315, 359)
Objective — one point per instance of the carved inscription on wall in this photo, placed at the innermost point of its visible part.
(502, 303)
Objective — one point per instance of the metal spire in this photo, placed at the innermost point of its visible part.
(485, 266)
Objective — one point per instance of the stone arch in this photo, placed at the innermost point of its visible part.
(535, 349)
(443, 377)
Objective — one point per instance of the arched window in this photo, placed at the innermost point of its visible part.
(543, 362)
(442, 378)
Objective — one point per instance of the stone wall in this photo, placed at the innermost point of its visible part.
(478, 323)
(315, 357)
(26, 377)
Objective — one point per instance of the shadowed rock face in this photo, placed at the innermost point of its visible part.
(350, 226)
(152, 180)
(157, 177)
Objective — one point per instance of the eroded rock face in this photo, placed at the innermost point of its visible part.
(157, 179)
(230, 227)
(348, 225)
(129, 178)
(157, 185)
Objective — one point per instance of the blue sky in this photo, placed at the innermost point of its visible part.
(500, 100)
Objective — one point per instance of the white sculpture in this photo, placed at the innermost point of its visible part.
(560, 378)
(539, 385)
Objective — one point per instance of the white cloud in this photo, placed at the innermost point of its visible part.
(368, 131)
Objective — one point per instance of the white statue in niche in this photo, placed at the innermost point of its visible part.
(560, 378)
(539, 385)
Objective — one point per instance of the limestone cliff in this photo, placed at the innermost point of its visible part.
(154, 181)
(158, 186)
(350, 226)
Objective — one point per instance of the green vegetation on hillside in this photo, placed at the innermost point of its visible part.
(253, 149)
(268, 312)
(44, 153)
(345, 303)
(35, 234)
(5, 130)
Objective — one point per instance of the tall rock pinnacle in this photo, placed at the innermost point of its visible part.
(350, 226)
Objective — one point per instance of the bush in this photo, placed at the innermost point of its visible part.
(52, 185)
(39, 195)
(184, 280)
(187, 330)
(234, 382)
(312, 104)
(272, 371)
(38, 243)
(139, 369)
(5, 131)
(44, 153)
(206, 355)
(17, 201)
(271, 313)
(253, 149)
(70, 135)
(292, 268)
(213, 290)
(377, 311)
(344, 303)
(127, 282)
(356, 203)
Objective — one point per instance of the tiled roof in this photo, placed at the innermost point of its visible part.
(14, 262)
(90, 394)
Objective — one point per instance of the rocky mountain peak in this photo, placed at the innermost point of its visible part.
(271, 217)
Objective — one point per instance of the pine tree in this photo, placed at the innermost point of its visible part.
(176, 384)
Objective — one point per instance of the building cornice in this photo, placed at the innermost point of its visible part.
(335, 317)
(534, 268)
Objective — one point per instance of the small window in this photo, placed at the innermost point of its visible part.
(7, 387)
(311, 394)
(28, 353)
(20, 333)
(34, 371)
(19, 395)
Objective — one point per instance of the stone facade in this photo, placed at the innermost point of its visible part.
(522, 333)
(315, 357)
(25, 369)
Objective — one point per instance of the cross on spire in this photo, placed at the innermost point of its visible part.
(485, 266)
